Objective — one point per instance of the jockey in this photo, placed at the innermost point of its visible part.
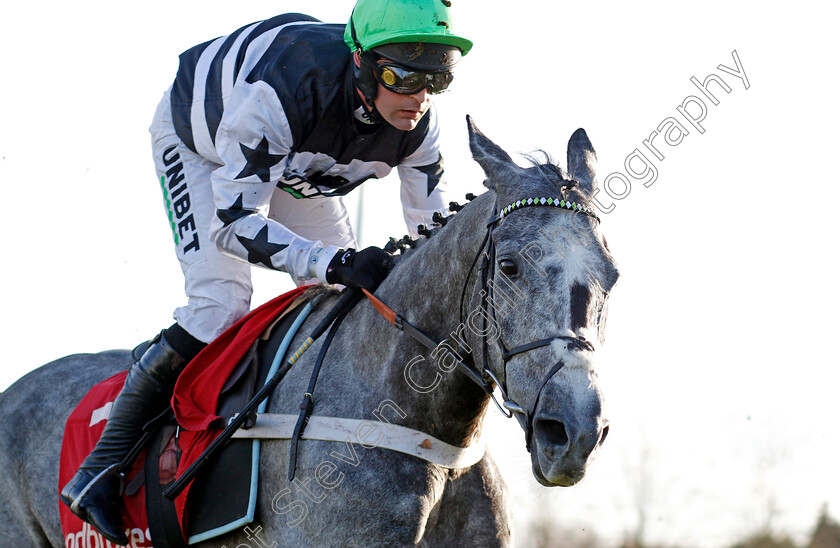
(256, 141)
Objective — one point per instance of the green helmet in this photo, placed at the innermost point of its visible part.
(377, 22)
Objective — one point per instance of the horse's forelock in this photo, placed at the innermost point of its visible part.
(543, 159)
(548, 168)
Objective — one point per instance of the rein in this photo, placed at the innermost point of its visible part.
(484, 377)
(404, 325)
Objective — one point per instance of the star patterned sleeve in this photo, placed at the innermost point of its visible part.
(253, 142)
(423, 190)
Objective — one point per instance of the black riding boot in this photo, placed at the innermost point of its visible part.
(94, 492)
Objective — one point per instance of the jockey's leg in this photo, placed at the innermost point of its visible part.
(218, 290)
(218, 287)
(93, 493)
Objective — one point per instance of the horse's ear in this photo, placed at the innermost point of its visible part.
(581, 160)
(492, 159)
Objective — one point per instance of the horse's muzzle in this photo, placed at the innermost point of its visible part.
(562, 449)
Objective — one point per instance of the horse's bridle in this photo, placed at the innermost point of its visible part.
(487, 250)
(484, 377)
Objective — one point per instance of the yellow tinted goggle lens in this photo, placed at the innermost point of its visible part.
(406, 81)
(388, 77)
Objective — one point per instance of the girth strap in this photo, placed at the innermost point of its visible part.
(368, 434)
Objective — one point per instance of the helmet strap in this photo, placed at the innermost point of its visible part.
(367, 84)
(365, 80)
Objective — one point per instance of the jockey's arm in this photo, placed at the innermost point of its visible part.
(253, 141)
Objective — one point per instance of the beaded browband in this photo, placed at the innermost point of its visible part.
(553, 202)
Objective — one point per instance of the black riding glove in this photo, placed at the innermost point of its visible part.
(366, 268)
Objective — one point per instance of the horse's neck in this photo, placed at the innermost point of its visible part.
(426, 291)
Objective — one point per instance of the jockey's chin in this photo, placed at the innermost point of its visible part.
(402, 111)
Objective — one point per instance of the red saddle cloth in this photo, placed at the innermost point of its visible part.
(194, 402)
(81, 432)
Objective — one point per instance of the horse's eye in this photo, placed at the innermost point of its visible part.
(508, 268)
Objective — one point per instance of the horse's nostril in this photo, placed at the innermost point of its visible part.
(604, 433)
(554, 432)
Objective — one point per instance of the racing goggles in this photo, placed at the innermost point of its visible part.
(406, 81)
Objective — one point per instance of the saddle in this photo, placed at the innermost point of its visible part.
(222, 497)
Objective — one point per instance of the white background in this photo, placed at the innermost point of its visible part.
(720, 363)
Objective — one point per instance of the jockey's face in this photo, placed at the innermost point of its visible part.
(402, 111)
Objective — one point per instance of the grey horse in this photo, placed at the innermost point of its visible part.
(520, 295)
